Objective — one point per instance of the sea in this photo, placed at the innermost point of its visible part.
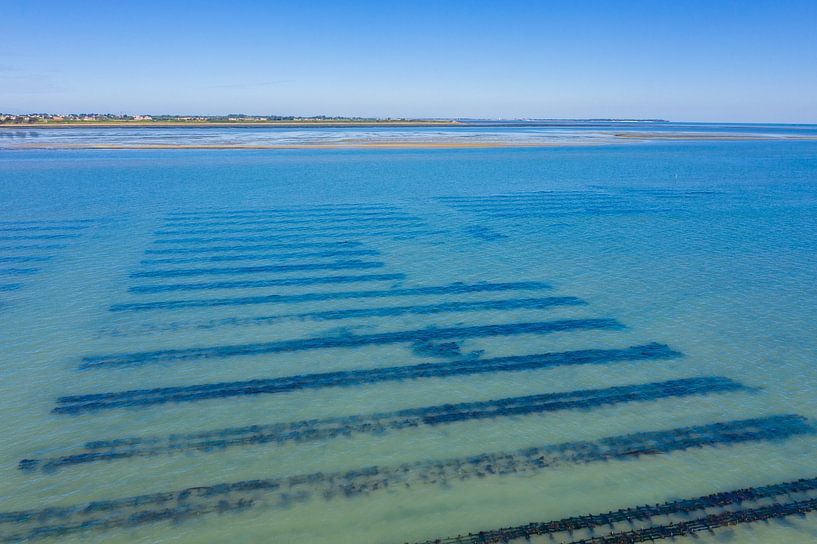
(595, 340)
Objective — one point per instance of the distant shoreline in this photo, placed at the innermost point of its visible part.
(339, 145)
(237, 124)
(704, 136)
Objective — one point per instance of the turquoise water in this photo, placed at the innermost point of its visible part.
(586, 280)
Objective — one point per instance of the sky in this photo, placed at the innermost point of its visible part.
(683, 60)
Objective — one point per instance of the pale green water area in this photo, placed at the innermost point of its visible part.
(225, 346)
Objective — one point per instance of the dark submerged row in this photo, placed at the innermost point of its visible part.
(78, 404)
(708, 523)
(378, 423)
(538, 204)
(421, 336)
(321, 227)
(450, 289)
(41, 228)
(293, 219)
(16, 237)
(46, 222)
(26, 259)
(531, 195)
(5, 287)
(254, 284)
(352, 313)
(633, 514)
(659, 191)
(282, 492)
(251, 247)
(484, 233)
(296, 236)
(262, 256)
(275, 229)
(277, 212)
(18, 271)
(31, 247)
(546, 210)
(353, 264)
(570, 213)
(318, 208)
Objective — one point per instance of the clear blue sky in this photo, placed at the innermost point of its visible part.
(712, 60)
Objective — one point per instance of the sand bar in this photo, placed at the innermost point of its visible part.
(581, 140)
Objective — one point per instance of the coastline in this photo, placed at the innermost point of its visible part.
(612, 138)
(347, 145)
(704, 136)
(216, 124)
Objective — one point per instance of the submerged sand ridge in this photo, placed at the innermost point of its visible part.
(384, 141)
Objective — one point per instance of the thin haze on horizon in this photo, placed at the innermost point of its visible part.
(749, 61)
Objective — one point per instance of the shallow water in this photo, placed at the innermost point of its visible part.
(598, 132)
(397, 285)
